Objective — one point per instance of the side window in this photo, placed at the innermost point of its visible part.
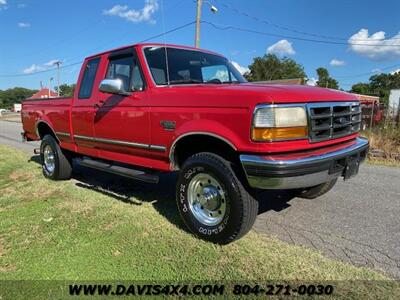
(85, 90)
(137, 81)
(126, 69)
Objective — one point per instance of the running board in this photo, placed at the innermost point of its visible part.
(118, 170)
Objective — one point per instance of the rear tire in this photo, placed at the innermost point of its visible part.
(316, 191)
(56, 164)
(213, 202)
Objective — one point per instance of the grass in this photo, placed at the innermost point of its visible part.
(12, 117)
(383, 162)
(385, 138)
(125, 230)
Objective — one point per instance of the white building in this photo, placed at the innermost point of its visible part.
(394, 102)
(17, 107)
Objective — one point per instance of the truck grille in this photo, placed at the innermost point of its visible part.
(333, 120)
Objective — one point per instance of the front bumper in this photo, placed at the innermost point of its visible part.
(304, 169)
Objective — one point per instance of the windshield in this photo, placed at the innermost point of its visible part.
(189, 66)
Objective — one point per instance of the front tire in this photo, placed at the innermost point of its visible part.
(212, 200)
(56, 164)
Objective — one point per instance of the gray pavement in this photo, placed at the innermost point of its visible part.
(356, 222)
(10, 134)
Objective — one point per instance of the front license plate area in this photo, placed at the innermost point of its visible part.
(351, 168)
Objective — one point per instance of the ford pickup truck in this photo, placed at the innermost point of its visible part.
(145, 109)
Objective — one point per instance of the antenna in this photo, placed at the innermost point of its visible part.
(165, 42)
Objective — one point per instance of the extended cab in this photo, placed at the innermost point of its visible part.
(150, 108)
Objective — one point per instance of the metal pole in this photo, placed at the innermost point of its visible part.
(372, 115)
(51, 78)
(398, 113)
(198, 18)
(58, 79)
(58, 63)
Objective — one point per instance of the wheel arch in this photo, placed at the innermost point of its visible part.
(43, 127)
(215, 143)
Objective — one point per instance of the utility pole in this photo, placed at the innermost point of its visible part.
(50, 80)
(58, 63)
(371, 123)
(198, 20)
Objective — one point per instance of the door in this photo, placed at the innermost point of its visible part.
(121, 122)
(82, 111)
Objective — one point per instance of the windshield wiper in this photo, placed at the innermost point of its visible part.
(183, 81)
(232, 82)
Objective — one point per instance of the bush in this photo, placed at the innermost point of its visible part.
(385, 137)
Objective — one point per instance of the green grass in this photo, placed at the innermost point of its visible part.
(383, 162)
(125, 230)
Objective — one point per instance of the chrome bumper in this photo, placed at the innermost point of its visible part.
(308, 169)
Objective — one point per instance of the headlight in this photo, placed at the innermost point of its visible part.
(274, 123)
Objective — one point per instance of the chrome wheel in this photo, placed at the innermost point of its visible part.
(49, 159)
(206, 199)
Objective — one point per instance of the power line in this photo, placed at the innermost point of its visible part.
(168, 32)
(269, 23)
(39, 72)
(61, 41)
(368, 73)
(232, 27)
(72, 36)
(80, 62)
(124, 33)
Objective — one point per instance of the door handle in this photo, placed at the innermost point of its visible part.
(99, 104)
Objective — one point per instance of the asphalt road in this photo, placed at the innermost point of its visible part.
(357, 222)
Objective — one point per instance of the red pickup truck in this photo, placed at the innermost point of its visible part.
(150, 108)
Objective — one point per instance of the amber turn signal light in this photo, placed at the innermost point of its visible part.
(274, 134)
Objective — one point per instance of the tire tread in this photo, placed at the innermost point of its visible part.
(249, 203)
(63, 169)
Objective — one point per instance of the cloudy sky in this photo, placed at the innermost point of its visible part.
(353, 39)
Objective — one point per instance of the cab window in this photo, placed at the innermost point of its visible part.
(189, 67)
(127, 69)
(85, 90)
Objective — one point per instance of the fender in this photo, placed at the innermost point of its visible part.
(47, 122)
(204, 127)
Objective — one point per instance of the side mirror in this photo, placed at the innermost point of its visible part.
(113, 86)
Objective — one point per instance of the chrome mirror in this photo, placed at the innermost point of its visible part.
(113, 86)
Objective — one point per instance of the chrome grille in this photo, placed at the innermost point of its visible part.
(333, 120)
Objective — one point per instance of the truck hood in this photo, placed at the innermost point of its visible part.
(284, 93)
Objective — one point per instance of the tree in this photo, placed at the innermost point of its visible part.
(67, 90)
(324, 79)
(378, 85)
(361, 88)
(271, 67)
(15, 95)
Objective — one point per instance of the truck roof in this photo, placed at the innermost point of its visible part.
(142, 45)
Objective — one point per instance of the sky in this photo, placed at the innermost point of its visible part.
(352, 39)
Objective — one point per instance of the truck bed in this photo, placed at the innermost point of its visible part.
(56, 109)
